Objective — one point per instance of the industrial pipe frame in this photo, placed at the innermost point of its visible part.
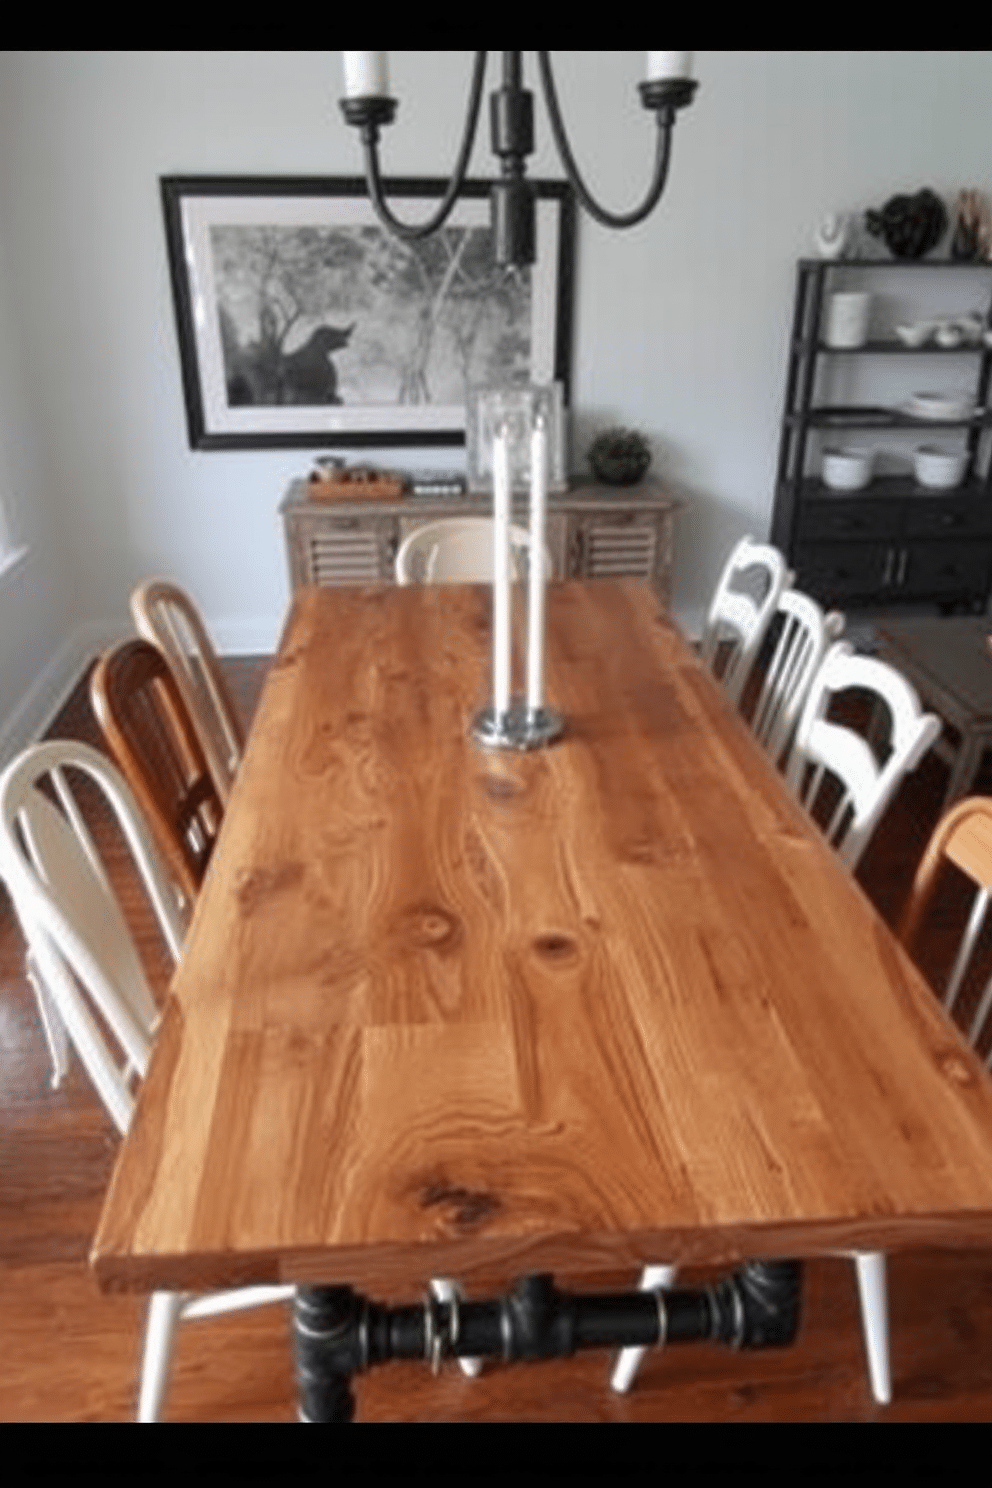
(337, 1333)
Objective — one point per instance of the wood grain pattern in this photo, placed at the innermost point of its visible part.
(450, 1013)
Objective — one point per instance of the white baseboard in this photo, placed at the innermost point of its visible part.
(45, 697)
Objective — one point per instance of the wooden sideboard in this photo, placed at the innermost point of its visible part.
(594, 531)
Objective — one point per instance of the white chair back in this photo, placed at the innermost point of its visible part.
(80, 947)
(166, 616)
(799, 634)
(741, 611)
(845, 771)
(459, 550)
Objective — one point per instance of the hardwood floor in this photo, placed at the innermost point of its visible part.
(71, 1354)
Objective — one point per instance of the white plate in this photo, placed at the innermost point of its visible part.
(939, 406)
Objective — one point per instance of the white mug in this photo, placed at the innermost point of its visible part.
(847, 319)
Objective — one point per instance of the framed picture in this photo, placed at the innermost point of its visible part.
(303, 322)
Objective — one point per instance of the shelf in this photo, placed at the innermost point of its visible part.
(895, 263)
(850, 416)
(891, 348)
(892, 488)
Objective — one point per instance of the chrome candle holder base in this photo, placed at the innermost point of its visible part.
(519, 727)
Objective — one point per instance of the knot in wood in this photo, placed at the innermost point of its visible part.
(430, 926)
(256, 885)
(555, 946)
(464, 1207)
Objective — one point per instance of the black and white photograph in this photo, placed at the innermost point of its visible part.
(303, 321)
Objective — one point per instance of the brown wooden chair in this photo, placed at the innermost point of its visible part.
(151, 736)
(944, 920)
(166, 616)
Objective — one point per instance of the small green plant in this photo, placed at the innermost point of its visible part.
(619, 457)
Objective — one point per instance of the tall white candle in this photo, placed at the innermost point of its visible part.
(501, 571)
(535, 601)
(366, 75)
(668, 65)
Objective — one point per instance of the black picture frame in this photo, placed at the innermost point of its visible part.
(260, 264)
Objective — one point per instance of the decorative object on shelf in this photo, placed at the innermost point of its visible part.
(436, 483)
(619, 457)
(939, 469)
(847, 319)
(367, 106)
(515, 408)
(338, 482)
(909, 225)
(303, 323)
(846, 469)
(967, 225)
(948, 335)
(519, 420)
(833, 235)
(916, 334)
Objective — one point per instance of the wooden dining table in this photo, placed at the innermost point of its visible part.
(453, 1012)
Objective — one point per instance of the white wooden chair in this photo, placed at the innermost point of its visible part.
(846, 778)
(166, 616)
(799, 636)
(741, 611)
(459, 550)
(81, 947)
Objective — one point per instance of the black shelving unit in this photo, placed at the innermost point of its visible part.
(893, 542)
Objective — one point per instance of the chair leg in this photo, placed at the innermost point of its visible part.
(160, 1332)
(629, 1359)
(446, 1291)
(870, 1268)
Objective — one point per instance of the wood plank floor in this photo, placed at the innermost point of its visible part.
(70, 1354)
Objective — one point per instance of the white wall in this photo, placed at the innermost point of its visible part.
(680, 324)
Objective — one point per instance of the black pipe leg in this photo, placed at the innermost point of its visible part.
(324, 1323)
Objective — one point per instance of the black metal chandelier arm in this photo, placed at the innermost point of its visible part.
(410, 232)
(665, 117)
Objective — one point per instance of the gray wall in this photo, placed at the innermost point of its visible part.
(680, 324)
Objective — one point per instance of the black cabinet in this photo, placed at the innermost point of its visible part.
(892, 542)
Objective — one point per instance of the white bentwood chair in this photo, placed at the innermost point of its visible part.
(82, 950)
(798, 639)
(741, 611)
(459, 550)
(166, 616)
(846, 777)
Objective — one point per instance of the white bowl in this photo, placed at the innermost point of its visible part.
(846, 469)
(915, 334)
(938, 469)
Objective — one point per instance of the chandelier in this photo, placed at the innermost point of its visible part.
(668, 87)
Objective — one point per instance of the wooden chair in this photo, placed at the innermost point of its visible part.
(81, 945)
(164, 615)
(955, 874)
(151, 735)
(459, 550)
(846, 776)
(797, 640)
(741, 611)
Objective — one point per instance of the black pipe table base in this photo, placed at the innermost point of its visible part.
(337, 1333)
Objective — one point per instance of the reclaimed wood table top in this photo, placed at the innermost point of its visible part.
(445, 1012)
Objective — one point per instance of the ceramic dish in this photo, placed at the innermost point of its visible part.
(941, 406)
(916, 334)
(846, 469)
(938, 469)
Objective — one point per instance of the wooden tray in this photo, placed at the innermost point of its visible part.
(356, 485)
